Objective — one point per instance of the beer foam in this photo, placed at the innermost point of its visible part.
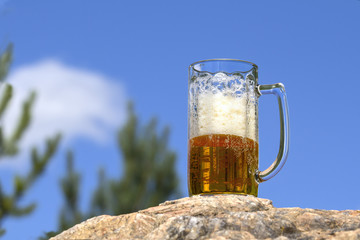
(229, 110)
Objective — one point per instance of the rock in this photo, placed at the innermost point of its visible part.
(220, 217)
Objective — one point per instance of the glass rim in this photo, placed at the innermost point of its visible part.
(254, 66)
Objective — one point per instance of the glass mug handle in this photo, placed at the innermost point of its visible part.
(278, 90)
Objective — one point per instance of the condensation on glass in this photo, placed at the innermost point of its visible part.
(223, 135)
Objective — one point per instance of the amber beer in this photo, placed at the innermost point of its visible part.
(222, 163)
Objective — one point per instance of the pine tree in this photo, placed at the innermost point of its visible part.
(149, 176)
(9, 202)
(70, 213)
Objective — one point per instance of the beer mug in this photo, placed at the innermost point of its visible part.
(223, 136)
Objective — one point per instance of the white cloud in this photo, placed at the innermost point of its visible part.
(76, 102)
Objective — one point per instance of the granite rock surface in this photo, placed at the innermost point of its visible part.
(220, 217)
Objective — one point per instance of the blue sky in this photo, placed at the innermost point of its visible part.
(142, 50)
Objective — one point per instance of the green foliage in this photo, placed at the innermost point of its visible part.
(70, 213)
(99, 200)
(10, 145)
(9, 202)
(5, 62)
(5, 99)
(48, 235)
(149, 176)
